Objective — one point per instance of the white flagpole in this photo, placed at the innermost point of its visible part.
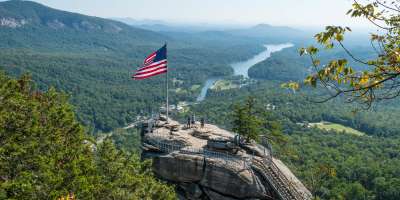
(166, 80)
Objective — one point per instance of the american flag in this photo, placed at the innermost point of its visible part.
(154, 64)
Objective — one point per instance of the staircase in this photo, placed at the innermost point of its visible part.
(281, 185)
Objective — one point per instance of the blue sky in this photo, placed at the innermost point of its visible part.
(298, 13)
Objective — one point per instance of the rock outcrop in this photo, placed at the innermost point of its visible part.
(210, 163)
(12, 22)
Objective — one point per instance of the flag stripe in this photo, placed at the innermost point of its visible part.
(151, 69)
(151, 73)
(164, 70)
(152, 65)
(150, 58)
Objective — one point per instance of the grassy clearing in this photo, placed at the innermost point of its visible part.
(195, 87)
(224, 85)
(337, 127)
(180, 91)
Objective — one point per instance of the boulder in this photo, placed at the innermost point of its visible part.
(232, 180)
(182, 158)
(177, 167)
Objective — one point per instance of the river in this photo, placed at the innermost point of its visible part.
(207, 85)
(242, 68)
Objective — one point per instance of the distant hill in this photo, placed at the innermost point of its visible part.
(164, 26)
(262, 29)
(273, 33)
(26, 24)
(288, 65)
(263, 32)
(285, 65)
(136, 22)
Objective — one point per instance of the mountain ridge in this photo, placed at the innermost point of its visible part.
(27, 24)
(37, 14)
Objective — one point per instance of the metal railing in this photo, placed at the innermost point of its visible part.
(161, 142)
(281, 184)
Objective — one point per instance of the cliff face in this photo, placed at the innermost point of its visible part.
(208, 163)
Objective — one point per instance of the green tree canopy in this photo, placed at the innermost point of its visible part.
(46, 154)
(43, 151)
(251, 121)
(123, 176)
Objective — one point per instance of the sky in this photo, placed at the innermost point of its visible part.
(295, 13)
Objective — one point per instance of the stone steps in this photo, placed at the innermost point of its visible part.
(280, 184)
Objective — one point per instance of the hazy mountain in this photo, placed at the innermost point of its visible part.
(163, 26)
(273, 33)
(148, 24)
(137, 22)
(273, 29)
(264, 32)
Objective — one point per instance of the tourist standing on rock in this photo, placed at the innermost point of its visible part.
(193, 119)
(202, 121)
(188, 122)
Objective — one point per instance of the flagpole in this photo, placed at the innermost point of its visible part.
(166, 80)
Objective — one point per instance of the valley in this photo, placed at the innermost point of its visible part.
(76, 70)
(241, 68)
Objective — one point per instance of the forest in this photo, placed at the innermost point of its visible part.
(94, 65)
(74, 84)
(333, 165)
(45, 153)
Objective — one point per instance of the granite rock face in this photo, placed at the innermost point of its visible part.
(186, 157)
(12, 22)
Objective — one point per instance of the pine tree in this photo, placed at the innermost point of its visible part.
(252, 121)
(123, 176)
(46, 154)
(42, 148)
(245, 120)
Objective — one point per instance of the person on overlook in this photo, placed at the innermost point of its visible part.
(193, 119)
(202, 121)
(188, 121)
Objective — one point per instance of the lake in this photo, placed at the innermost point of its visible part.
(242, 68)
